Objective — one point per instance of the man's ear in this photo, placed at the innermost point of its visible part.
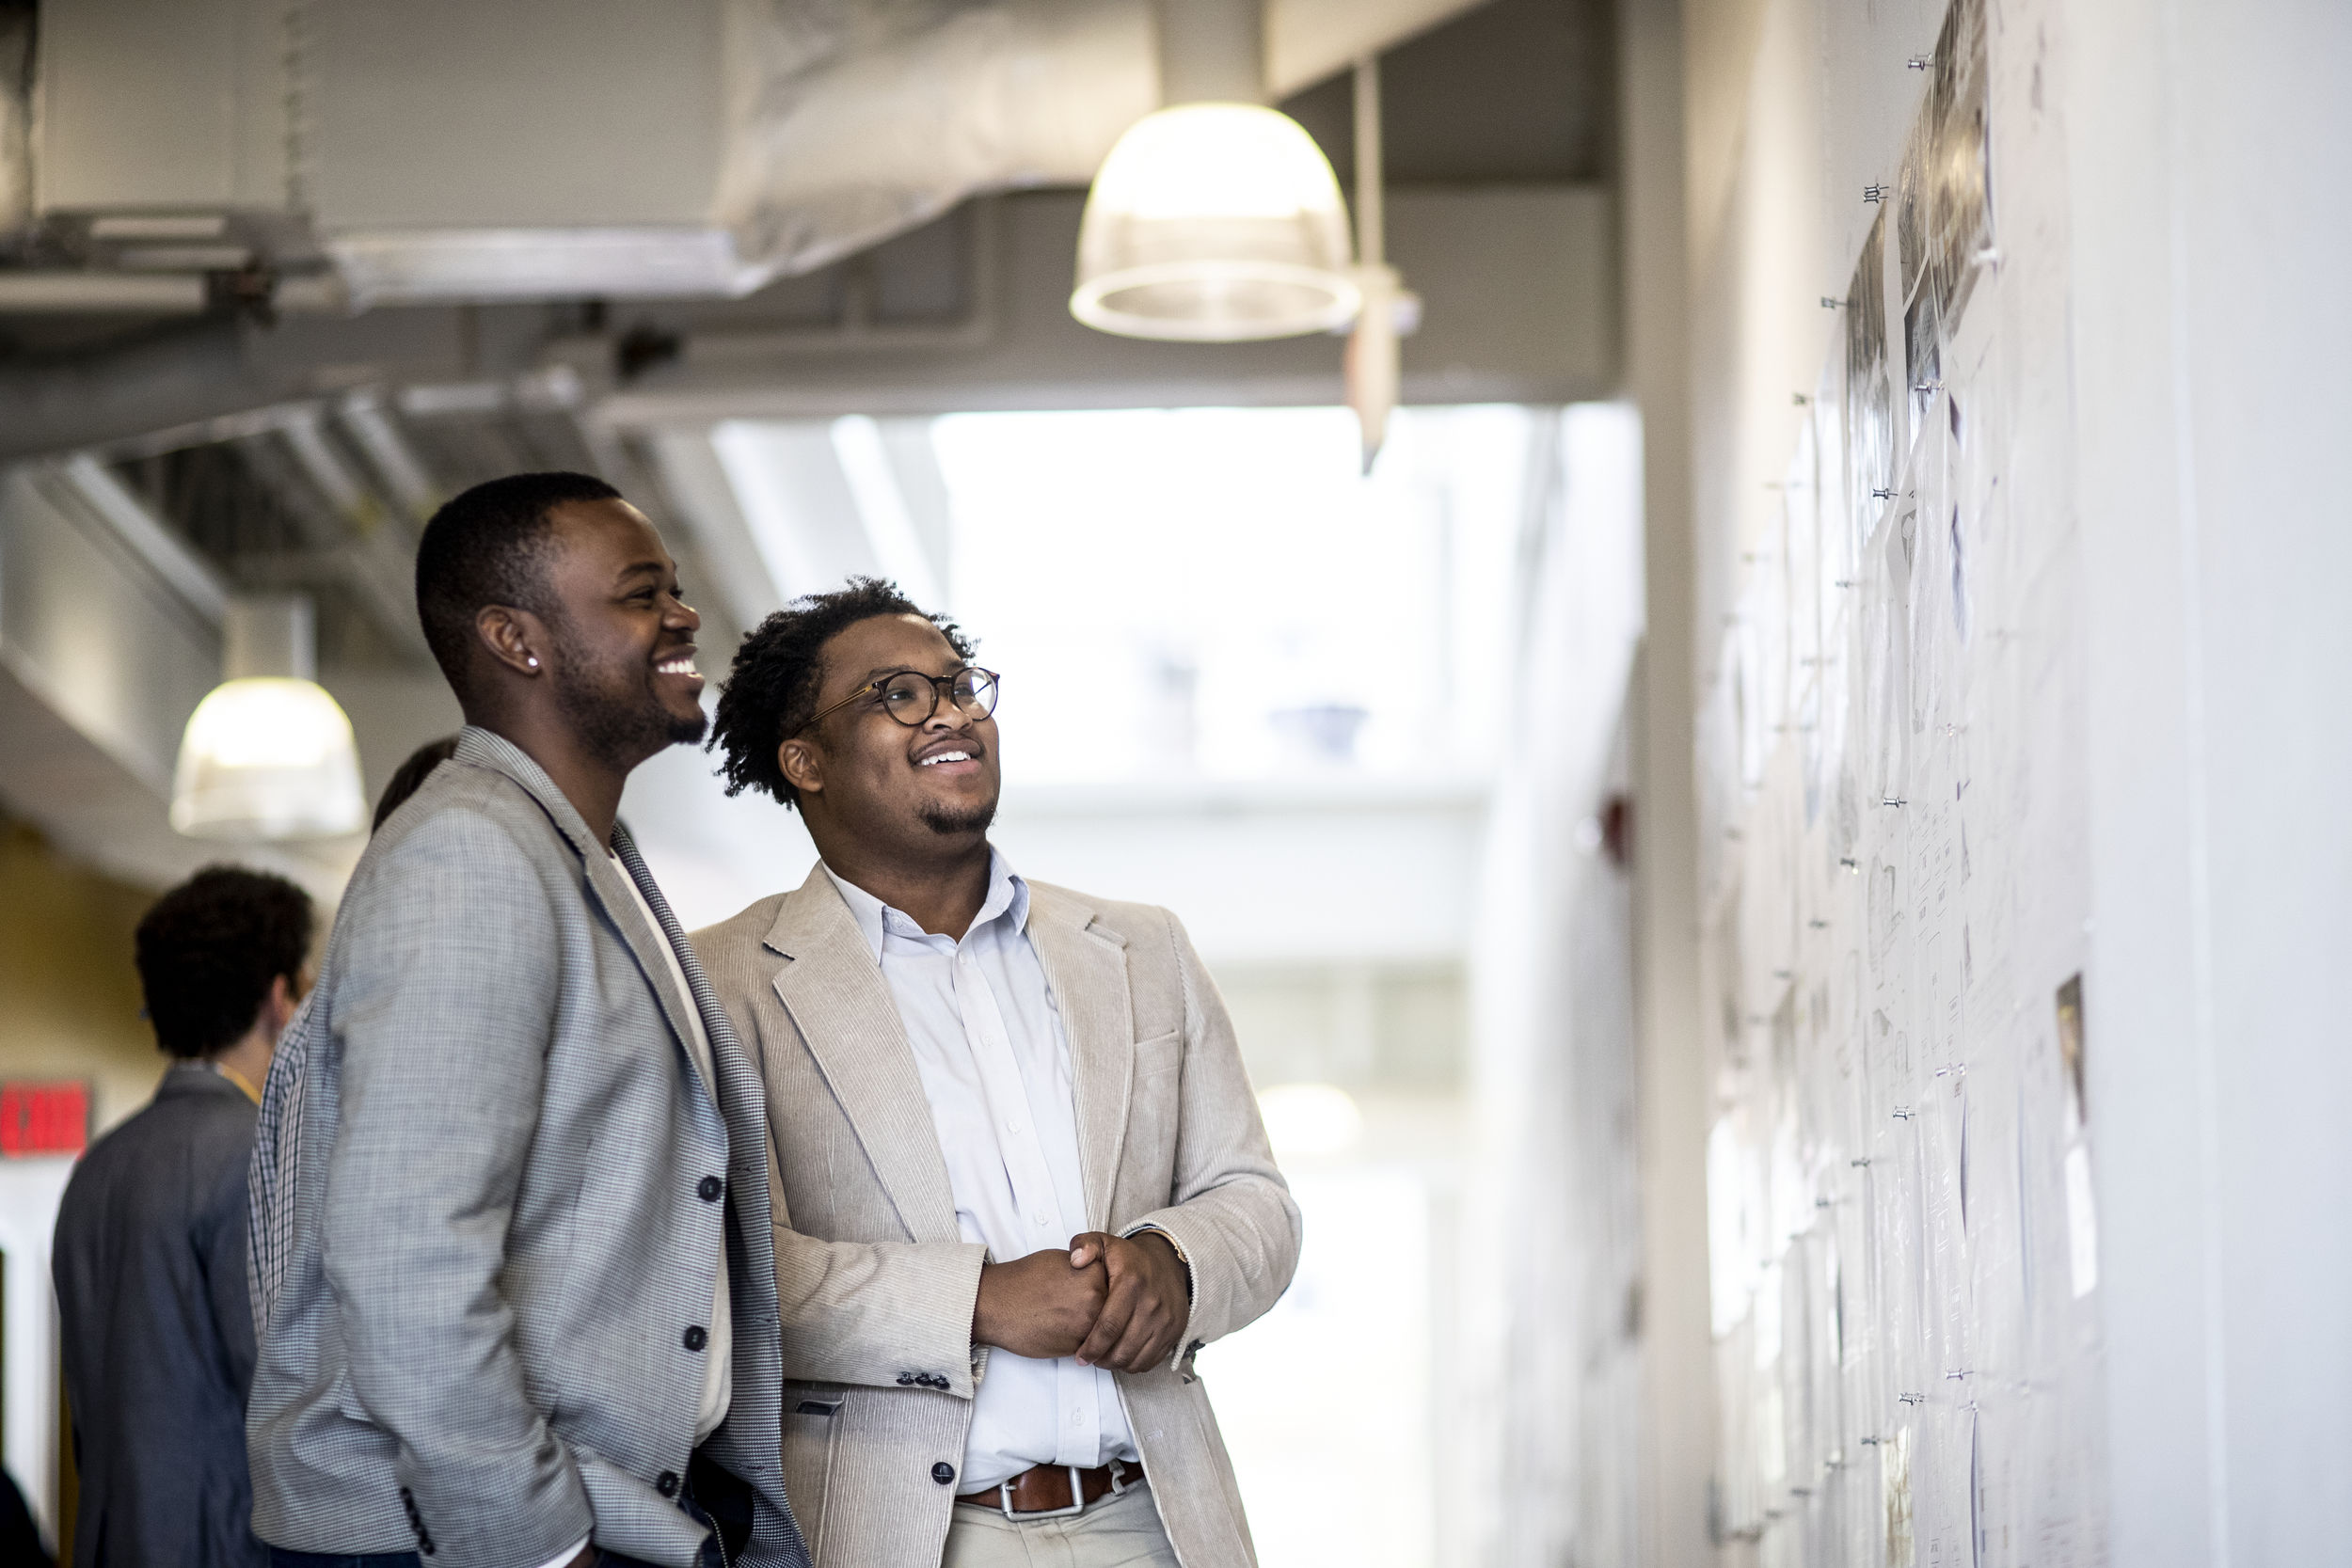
(515, 638)
(278, 1007)
(803, 765)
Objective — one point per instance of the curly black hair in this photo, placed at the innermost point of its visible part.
(208, 950)
(770, 692)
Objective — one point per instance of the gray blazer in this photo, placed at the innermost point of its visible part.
(876, 1281)
(149, 1266)
(491, 1190)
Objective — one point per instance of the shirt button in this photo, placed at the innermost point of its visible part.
(710, 1188)
(1036, 1219)
(943, 1472)
(694, 1337)
(667, 1483)
(1012, 1127)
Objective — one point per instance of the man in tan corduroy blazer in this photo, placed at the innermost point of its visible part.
(1020, 1177)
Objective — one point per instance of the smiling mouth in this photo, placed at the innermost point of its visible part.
(938, 757)
(678, 664)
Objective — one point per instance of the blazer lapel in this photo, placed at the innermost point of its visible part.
(832, 986)
(484, 749)
(605, 881)
(1087, 968)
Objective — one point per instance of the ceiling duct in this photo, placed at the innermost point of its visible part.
(450, 150)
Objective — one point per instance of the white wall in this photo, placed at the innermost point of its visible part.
(2209, 224)
(1552, 1245)
(2092, 645)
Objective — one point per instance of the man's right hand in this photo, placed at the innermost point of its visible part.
(1039, 1305)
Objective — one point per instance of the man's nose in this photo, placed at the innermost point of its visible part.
(948, 714)
(682, 616)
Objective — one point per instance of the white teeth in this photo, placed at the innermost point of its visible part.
(676, 667)
(946, 756)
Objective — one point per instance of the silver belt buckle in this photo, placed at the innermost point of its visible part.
(1078, 1498)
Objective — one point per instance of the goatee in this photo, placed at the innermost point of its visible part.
(946, 820)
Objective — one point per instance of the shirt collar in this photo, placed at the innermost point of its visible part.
(1007, 899)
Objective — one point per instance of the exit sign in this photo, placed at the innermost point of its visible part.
(43, 1118)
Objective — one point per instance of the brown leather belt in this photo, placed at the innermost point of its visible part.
(1043, 1491)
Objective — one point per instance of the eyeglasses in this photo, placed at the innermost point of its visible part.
(911, 697)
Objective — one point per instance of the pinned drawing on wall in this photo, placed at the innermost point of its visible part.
(2070, 1033)
(1869, 392)
(1894, 1485)
(1944, 209)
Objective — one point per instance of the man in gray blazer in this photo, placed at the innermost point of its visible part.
(150, 1258)
(512, 1252)
(1022, 1177)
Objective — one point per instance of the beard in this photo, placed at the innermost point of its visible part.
(620, 720)
(949, 820)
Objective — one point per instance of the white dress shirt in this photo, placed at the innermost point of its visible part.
(719, 1372)
(995, 1063)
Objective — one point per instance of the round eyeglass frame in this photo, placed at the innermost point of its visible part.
(942, 685)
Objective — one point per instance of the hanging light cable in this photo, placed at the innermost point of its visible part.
(1215, 219)
(1373, 372)
(268, 754)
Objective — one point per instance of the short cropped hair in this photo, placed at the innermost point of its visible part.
(409, 774)
(209, 949)
(488, 547)
(770, 693)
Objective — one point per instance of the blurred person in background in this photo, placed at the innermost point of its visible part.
(409, 774)
(1024, 1177)
(150, 1246)
(511, 1254)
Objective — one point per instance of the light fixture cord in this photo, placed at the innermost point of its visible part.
(1370, 222)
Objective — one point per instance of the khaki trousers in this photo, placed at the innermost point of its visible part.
(1116, 1533)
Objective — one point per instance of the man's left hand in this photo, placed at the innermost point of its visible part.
(1149, 1303)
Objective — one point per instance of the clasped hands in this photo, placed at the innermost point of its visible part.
(1111, 1300)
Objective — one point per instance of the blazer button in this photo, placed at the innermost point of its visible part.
(710, 1188)
(694, 1337)
(667, 1483)
(905, 1379)
(943, 1472)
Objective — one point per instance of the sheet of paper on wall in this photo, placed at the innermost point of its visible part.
(1869, 399)
(2069, 1037)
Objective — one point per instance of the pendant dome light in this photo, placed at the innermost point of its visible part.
(1215, 219)
(268, 754)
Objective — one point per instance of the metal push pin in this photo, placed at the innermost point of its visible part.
(1829, 304)
(1878, 494)
(1903, 1113)
(1870, 1442)
(1865, 1160)
(1874, 192)
(1920, 62)
(1894, 800)
(1911, 1398)
(1819, 924)
(1850, 863)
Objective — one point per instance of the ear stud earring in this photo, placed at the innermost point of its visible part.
(532, 661)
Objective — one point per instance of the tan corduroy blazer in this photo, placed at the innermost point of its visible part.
(876, 1283)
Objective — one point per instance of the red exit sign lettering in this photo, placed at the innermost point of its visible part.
(43, 1118)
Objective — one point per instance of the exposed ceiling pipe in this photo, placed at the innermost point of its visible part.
(838, 124)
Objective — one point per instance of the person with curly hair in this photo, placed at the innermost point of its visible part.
(150, 1244)
(1023, 1178)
